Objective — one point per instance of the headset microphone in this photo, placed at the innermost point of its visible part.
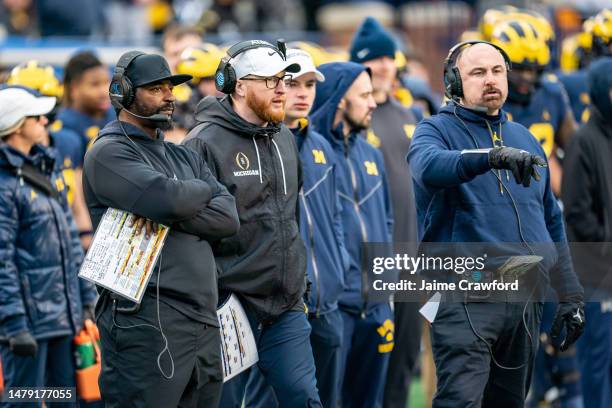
(158, 117)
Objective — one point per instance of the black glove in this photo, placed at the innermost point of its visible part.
(570, 312)
(23, 345)
(522, 164)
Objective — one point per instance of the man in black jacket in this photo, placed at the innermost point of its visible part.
(164, 352)
(242, 138)
(587, 199)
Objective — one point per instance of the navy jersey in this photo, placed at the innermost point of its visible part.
(85, 126)
(577, 88)
(69, 154)
(544, 114)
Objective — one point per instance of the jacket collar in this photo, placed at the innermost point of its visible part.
(39, 157)
(473, 116)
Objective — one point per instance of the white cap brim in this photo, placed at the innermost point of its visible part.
(41, 106)
(304, 60)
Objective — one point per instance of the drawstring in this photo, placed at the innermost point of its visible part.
(280, 157)
(258, 161)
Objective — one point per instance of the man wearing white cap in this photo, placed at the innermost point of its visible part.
(321, 230)
(42, 300)
(255, 156)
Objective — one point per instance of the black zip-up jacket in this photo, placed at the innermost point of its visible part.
(171, 185)
(265, 263)
(587, 199)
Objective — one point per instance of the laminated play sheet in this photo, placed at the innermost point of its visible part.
(121, 258)
(238, 348)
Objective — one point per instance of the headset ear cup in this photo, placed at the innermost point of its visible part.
(230, 79)
(128, 91)
(457, 84)
(448, 84)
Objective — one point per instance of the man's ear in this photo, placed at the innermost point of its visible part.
(240, 89)
(342, 104)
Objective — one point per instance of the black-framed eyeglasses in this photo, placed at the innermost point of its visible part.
(271, 82)
(35, 117)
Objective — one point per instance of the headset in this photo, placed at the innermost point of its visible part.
(225, 77)
(453, 87)
(122, 92)
(121, 89)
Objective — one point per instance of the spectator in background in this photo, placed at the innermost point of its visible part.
(87, 107)
(587, 199)
(201, 63)
(17, 17)
(42, 302)
(177, 39)
(65, 18)
(128, 21)
(391, 132)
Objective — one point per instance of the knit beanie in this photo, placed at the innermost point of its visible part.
(372, 41)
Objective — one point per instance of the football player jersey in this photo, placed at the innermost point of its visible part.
(577, 88)
(544, 114)
(85, 126)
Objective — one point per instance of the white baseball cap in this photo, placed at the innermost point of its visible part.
(261, 61)
(304, 60)
(16, 104)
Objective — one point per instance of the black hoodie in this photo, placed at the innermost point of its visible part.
(587, 189)
(171, 185)
(265, 263)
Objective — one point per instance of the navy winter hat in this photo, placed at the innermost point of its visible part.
(372, 41)
(600, 82)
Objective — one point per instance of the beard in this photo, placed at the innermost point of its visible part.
(356, 124)
(264, 109)
(140, 109)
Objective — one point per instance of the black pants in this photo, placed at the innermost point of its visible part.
(467, 376)
(130, 374)
(404, 355)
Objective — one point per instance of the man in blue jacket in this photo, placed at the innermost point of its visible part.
(341, 112)
(42, 301)
(321, 230)
(462, 165)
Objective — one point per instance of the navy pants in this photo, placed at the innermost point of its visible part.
(285, 362)
(595, 355)
(326, 341)
(53, 366)
(467, 377)
(366, 346)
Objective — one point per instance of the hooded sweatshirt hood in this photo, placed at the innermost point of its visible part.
(220, 111)
(600, 82)
(339, 76)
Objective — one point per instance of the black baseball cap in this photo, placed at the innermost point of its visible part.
(149, 68)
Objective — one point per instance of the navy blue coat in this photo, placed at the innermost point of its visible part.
(458, 196)
(321, 222)
(40, 253)
(364, 193)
